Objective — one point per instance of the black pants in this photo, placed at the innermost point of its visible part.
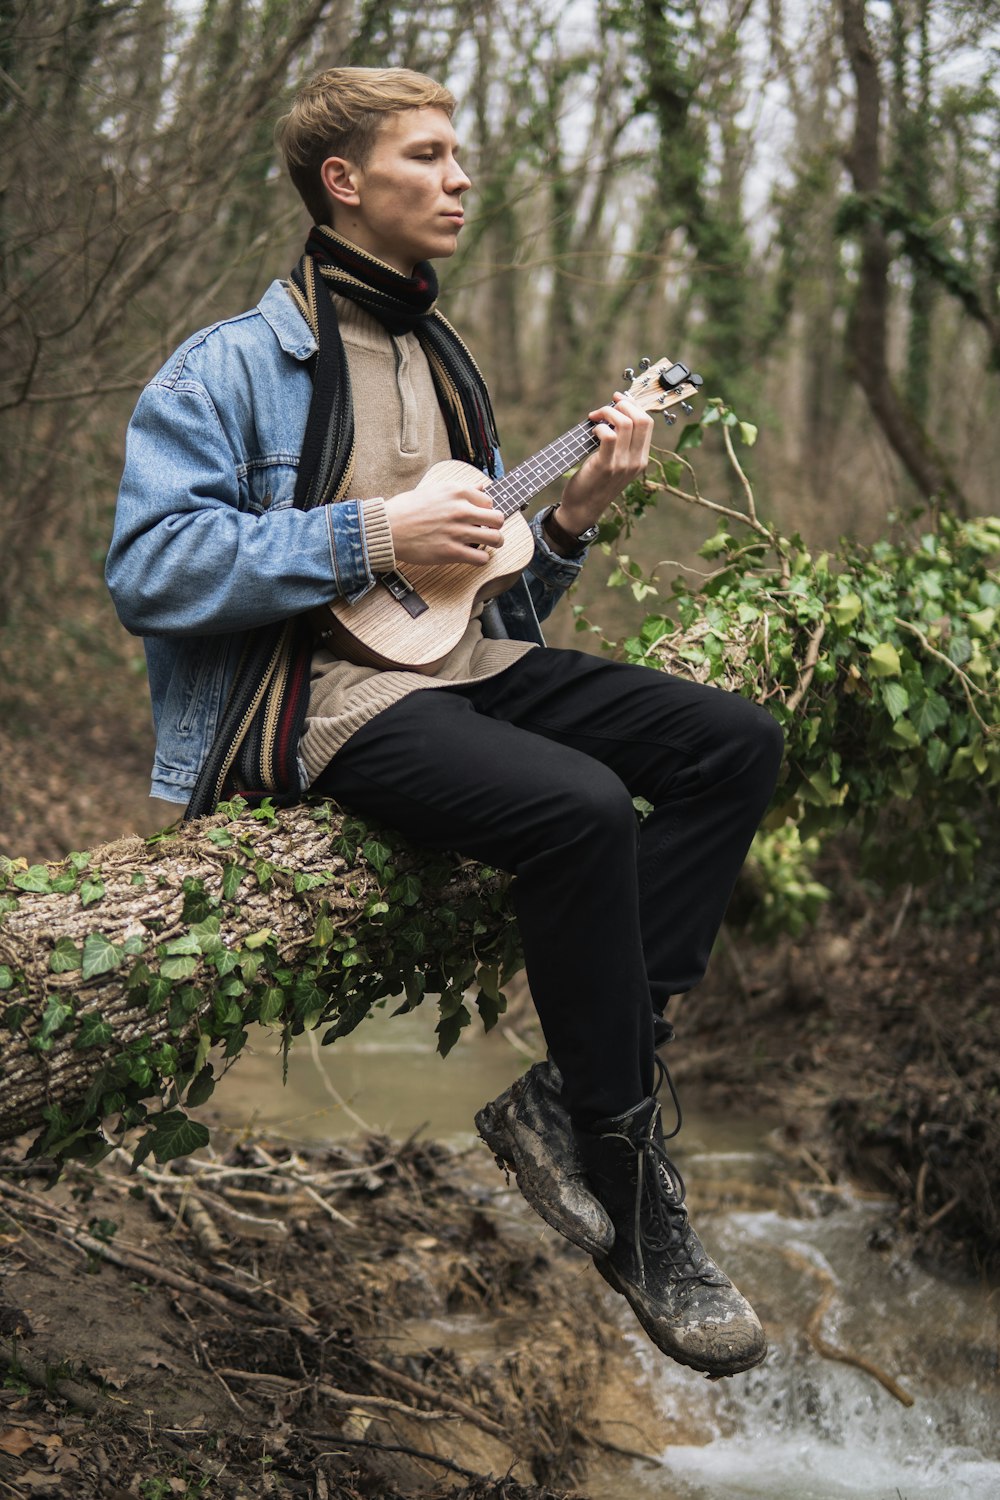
(534, 771)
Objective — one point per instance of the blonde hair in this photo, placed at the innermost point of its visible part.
(339, 113)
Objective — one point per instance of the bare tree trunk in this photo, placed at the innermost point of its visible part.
(868, 329)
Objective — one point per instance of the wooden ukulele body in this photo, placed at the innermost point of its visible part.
(380, 630)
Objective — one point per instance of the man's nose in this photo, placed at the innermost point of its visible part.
(458, 181)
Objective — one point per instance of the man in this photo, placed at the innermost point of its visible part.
(273, 466)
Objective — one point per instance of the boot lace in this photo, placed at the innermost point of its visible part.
(661, 1227)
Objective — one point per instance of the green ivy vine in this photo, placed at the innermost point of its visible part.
(881, 662)
(409, 940)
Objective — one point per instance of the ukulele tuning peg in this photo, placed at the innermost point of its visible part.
(670, 417)
(645, 363)
(686, 408)
(628, 374)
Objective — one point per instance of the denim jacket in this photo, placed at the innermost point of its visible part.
(207, 543)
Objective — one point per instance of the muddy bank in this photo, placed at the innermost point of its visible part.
(876, 1037)
(264, 1324)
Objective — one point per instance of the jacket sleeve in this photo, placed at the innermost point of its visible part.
(548, 575)
(188, 558)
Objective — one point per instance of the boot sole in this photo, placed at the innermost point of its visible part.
(712, 1368)
(497, 1137)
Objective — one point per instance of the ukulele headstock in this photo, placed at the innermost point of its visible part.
(661, 386)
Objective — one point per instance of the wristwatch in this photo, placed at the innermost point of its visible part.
(564, 538)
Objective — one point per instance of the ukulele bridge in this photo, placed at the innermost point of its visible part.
(404, 593)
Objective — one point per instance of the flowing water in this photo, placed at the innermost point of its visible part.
(804, 1426)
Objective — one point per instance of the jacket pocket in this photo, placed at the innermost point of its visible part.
(267, 484)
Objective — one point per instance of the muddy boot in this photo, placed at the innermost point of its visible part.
(686, 1305)
(529, 1133)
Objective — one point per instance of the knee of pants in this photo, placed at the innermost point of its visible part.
(765, 738)
(601, 805)
(751, 742)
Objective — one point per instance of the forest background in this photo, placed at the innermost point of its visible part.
(801, 202)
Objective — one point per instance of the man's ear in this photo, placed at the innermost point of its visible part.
(340, 179)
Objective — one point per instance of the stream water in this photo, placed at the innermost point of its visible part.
(802, 1427)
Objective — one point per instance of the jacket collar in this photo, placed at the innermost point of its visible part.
(286, 322)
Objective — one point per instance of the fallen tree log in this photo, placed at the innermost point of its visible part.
(121, 970)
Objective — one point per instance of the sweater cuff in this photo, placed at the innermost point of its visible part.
(377, 536)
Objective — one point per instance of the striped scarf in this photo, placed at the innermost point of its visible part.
(255, 748)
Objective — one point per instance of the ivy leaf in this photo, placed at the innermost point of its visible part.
(91, 891)
(166, 1060)
(884, 660)
(36, 880)
(272, 1003)
(57, 1013)
(450, 1028)
(202, 1087)
(324, 934)
(185, 944)
(159, 989)
(174, 1134)
(845, 611)
(226, 1012)
(232, 878)
(352, 1013)
(896, 699)
(65, 957)
(748, 432)
(930, 714)
(378, 855)
(100, 955)
(407, 890)
(94, 1032)
(181, 967)
(258, 939)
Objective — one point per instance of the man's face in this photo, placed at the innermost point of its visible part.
(409, 192)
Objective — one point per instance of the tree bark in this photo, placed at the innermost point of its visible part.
(867, 335)
(298, 891)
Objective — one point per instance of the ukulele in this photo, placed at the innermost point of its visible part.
(412, 620)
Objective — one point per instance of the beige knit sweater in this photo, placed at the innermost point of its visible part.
(399, 434)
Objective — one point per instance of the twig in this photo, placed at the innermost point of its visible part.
(179, 1307)
(453, 1403)
(46, 1378)
(808, 667)
(136, 1262)
(511, 1037)
(310, 1192)
(833, 1351)
(609, 1447)
(901, 913)
(727, 438)
(433, 1458)
(327, 1083)
(968, 687)
(941, 1212)
(334, 1393)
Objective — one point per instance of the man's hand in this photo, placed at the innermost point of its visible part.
(625, 433)
(444, 522)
